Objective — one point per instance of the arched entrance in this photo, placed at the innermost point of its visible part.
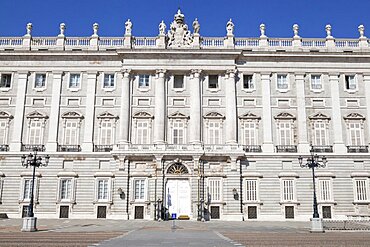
(178, 199)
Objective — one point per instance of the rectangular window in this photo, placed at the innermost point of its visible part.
(71, 133)
(248, 82)
(106, 132)
(5, 81)
(282, 82)
(350, 82)
(178, 81)
(320, 137)
(74, 80)
(65, 189)
(27, 187)
(288, 190)
(214, 189)
(103, 189)
(250, 133)
(143, 81)
(325, 190)
(40, 80)
(178, 132)
(213, 81)
(3, 132)
(361, 190)
(109, 81)
(251, 190)
(35, 132)
(355, 134)
(316, 82)
(214, 132)
(139, 189)
(142, 130)
(285, 133)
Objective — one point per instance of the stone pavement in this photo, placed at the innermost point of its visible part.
(110, 233)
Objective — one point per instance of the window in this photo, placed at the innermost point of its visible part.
(106, 132)
(214, 189)
(109, 81)
(103, 189)
(139, 189)
(144, 81)
(288, 190)
(316, 82)
(27, 187)
(355, 134)
(282, 82)
(325, 190)
(213, 81)
(74, 81)
(3, 132)
(40, 80)
(214, 132)
(65, 189)
(35, 132)
(178, 81)
(71, 133)
(6, 80)
(250, 133)
(350, 82)
(248, 82)
(251, 190)
(361, 190)
(320, 133)
(142, 130)
(178, 132)
(285, 133)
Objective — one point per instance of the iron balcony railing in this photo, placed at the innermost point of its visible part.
(33, 147)
(357, 149)
(252, 148)
(103, 148)
(286, 148)
(322, 149)
(69, 148)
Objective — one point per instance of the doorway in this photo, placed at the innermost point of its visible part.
(178, 199)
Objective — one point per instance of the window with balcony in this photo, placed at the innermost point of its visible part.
(215, 189)
(106, 136)
(4, 130)
(139, 189)
(285, 132)
(320, 132)
(316, 84)
(178, 128)
(214, 128)
(5, 81)
(355, 133)
(350, 82)
(142, 122)
(71, 132)
(249, 129)
(248, 82)
(109, 81)
(144, 81)
(35, 131)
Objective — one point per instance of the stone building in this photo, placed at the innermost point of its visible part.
(205, 127)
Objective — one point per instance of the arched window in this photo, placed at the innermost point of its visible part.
(177, 169)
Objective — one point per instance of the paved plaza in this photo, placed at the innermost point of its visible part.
(112, 233)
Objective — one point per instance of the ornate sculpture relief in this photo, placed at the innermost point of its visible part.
(179, 34)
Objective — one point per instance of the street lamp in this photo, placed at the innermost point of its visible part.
(29, 222)
(314, 161)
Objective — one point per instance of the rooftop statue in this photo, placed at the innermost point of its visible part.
(128, 26)
(196, 26)
(230, 27)
(179, 34)
(162, 28)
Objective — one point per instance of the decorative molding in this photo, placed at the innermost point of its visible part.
(106, 115)
(285, 115)
(178, 115)
(216, 115)
(72, 114)
(36, 114)
(4, 114)
(142, 114)
(318, 116)
(354, 116)
(249, 115)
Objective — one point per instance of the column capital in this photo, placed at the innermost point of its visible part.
(196, 72)
(160, 72)
(334, 75)
(299, 74)
(57, 72)
(231, 73)
(126, 72)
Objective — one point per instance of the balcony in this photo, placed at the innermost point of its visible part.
(357, 149)
(103, 148)
(252, 148)
(4, 148)
(286, 148)
(33, 147)
(322, 149)
(69, 148)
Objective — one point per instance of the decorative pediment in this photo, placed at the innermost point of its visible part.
(319, 116)
(36, 114)
(249, 115)
(178, 115)
(354, 116)
(285, 115)
(214, 115)
(142, 114)
(106, 115)
(72, 114)
(4, 114)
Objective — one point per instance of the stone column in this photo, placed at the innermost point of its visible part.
(21, 84)
(230, 103)
(367, 89)
(52, 144)
(339, 146)
(160, 108)
(195, 123)
(267, 146)
(303, 145)
(87, 144)
(124, 115)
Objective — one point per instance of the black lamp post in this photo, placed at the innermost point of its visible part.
(313, 161)
(34, 161)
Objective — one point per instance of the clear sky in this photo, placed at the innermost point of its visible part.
(278, 15)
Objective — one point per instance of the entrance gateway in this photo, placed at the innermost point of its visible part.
(178, 193)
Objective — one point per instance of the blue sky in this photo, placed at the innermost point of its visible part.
(278, 15)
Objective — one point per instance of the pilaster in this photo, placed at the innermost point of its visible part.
(303, 145)
(195, 122)
(230, 98)
(367, 89)
(160, 107)
(267, 146)
(124, 116)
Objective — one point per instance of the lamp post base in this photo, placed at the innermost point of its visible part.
(29, 224)
(316, 225)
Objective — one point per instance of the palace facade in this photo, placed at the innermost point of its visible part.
(208, 128)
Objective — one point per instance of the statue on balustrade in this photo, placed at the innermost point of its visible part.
(162, 28)
(128, 26)
(196, 26)
(230, 27)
